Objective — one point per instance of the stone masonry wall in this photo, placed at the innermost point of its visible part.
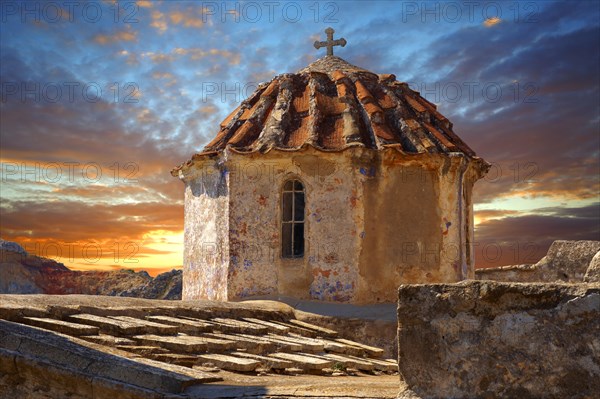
(487, 339)
(565, 261)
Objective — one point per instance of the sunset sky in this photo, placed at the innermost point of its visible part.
(100, 100)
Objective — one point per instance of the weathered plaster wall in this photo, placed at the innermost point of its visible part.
(486, 339)
(414, 220)
(326, 271)
(206, 232)
(373, 220)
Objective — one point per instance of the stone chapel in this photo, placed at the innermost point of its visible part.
(332, 183)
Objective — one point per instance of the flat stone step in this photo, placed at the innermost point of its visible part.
(305, 332)
(338, 347)
(318, 329)
(239, 326)
(56, 352)
(382, 365)
(202, 323)
(351, 362)
(176, 358)
(265, 361)
(303, 361)
(175, 344)
(109, 325)
(231, 363)
(142, 349)
(308, 345)
(185, 325)
(392, 364)
(273, 327)
(108, 340)
(370, 350)
(150, 327)
(249, 343)
(278, 345)
(60, 326)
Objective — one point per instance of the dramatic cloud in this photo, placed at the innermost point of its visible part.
(97, 107)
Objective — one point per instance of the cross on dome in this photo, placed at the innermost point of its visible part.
(330, 42)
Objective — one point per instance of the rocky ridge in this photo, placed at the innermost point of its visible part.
(23, 273)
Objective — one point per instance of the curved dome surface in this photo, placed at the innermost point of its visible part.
(332, 105)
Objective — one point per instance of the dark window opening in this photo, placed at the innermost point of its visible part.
(292, 219)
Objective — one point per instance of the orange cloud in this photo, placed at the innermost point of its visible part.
(121, 36)
(489, 22)
(159, 21)
(186, 19)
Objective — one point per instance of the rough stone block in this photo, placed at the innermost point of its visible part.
(273, 327)
(185, 344)
(305, 362)
(307, 344)
(489, 339)
(566, 261)
(150, 327)
(109, 325)
(319, 330)
(184, 324)
(265, 361)
(592, 275)
(231, 363)
(239, 326)
(61, 326)
(370, 350)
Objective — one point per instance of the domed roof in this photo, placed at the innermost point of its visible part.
(332, 105)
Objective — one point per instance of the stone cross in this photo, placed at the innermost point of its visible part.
(330, 42)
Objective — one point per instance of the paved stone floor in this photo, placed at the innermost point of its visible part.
(187, 349)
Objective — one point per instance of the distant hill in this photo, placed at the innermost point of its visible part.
(22, 273)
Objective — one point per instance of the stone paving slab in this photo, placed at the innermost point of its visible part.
(338, 347)
(142, 349)
(60, 326)
(109, 325)
(151, 327)
(108, 340)
(382, 365)
(318, 329)
(272, 326)
(305, 332)
(240, 326)
(176, 344)
(231, 363)
(176, 358)
(248, 343)
(221, 338)
(185, 325)
(87, 360)
(278, 345)
(370, 350)
(351, 362)
(304, 362)
(266, 361)
(308, 345)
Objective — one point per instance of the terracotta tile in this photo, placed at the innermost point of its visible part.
(330, 105)
(440, 136)
(340, 87)
(301, 103)
(417, 106)
(230, 117)
(300, 135)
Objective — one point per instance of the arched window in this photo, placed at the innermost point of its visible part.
(292, 219)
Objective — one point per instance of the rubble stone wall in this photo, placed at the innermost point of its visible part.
(566, 261)
(490, 339)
